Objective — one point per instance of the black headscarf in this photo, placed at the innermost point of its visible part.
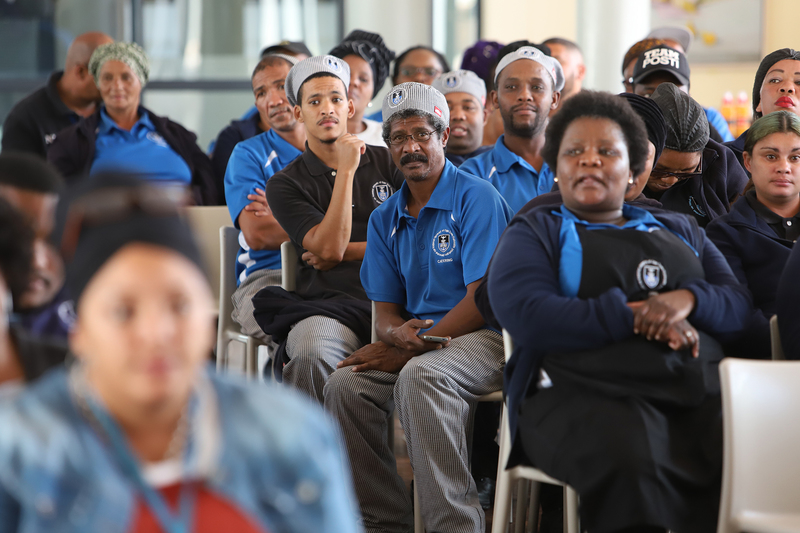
(653, 118)
(371, 48)
(97, 241)
(766, 64)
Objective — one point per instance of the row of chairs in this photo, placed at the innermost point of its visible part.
(761, 480)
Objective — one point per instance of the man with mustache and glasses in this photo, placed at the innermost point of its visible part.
(252, 163)
(528, 86)
(323, 200)
(427, 250)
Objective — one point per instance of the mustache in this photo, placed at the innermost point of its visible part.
(410, 158)
(532, 107)
(278, 110)
(323, 119)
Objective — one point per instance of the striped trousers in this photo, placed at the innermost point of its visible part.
(242, 299)
(435, 395)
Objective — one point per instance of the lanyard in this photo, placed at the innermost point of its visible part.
(180, 522)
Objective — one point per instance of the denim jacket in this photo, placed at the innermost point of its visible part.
(280, 462)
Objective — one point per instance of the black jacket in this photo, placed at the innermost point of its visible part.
(757, 256)
(72, 153)
(32, 124)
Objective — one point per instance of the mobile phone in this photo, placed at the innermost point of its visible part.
(433, 338)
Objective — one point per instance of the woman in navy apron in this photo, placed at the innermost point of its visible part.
(615, 312)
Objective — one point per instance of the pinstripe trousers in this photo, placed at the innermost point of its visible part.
(314, 346)
(242, 299)
(435, 394)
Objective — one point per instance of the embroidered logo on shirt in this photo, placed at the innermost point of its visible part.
(48, 139)
(651, 275)
(381, 191)
(444, 243)
(156, 138)
(696, 207)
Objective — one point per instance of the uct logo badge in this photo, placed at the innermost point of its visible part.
(156, 138)
(527, 53)
(444, 243)
(651, 275)
(451, 82)
(396, 97)
(381, 192)
(334, 65)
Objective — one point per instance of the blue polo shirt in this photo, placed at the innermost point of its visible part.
(142, 150)
(252, 163)
(425, 264)
(514, 177)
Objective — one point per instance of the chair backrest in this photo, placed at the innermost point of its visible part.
(288, 266)
(205, 222)
(775, 340)
(760, 401)
(508, 344)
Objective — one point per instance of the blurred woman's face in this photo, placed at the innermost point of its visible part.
(593, 165)
(120, 88)
(144, 327)
(421, 66)
(775, 167)
(360, 90)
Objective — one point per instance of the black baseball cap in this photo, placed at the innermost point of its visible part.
(662, 59)
(296, 47)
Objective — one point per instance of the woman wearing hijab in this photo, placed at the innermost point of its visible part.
(776, 87)
(124, 135)
(369, 59)
(758, 235)
(140, 434)
(695, 175)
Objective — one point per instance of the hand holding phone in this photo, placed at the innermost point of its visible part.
(433, 338)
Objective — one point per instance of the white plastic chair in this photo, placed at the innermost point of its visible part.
(205, 222)
(227, 329)
(775, 340)
(761, 472)
(506, 478)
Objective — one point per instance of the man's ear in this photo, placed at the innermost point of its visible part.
(556, 100)
(351, 109)
(298, 114)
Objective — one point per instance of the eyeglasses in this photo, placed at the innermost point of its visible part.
(662, 174)
(412, 71)
(118, 203)
(421, 137)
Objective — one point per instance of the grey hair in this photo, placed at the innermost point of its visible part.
(438, 124)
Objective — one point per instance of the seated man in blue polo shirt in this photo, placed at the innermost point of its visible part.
(252, 163)
(528, 86)
(428, 247)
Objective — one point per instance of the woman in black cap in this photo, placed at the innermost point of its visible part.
(758, 235)
(776, 87)
(369, 59)
(139, 435)
(613, 386)
(695, 175)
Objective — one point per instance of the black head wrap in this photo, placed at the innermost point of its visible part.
(687, 124)
(653, 120)
(371, 48)
(766, 64)
(99, 240)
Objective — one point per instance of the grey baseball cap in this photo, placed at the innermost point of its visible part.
(680, 35)
(314, 65)
(461, 81)
(550, 64)
(416, 96)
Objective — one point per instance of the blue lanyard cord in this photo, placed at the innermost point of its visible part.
(170, 522)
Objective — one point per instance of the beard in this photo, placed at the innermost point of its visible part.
(526, 130)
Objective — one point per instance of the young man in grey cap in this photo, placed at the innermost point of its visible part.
(528, 86)
(428, 248)
(466, 99)
(323, 200)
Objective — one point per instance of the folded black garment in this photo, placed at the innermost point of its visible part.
(277, 310)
